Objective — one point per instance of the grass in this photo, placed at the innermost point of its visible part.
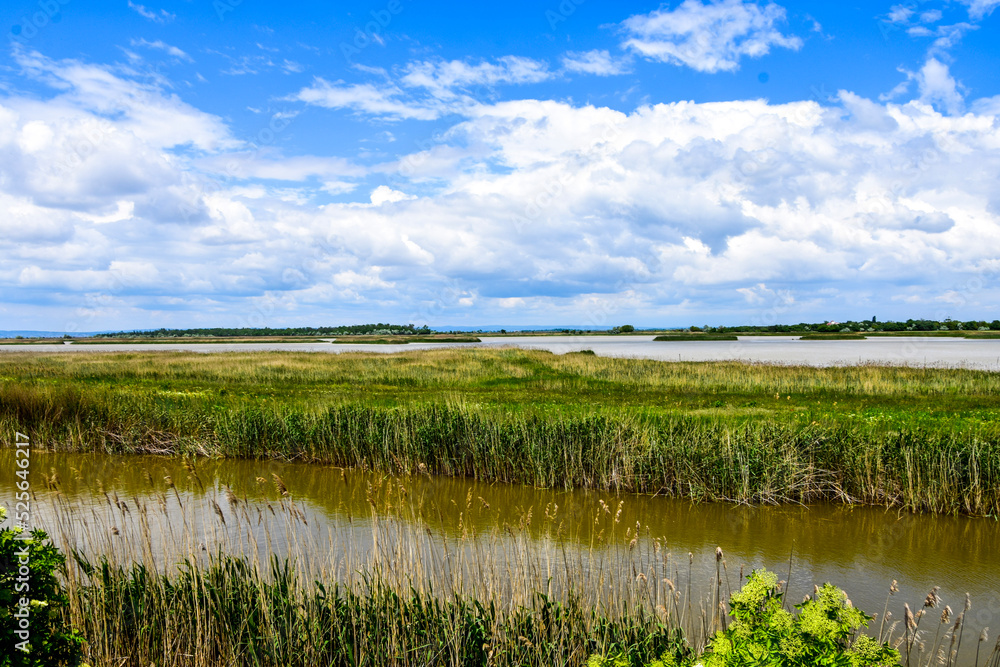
(175, 578)
(914, 438)
(403, 340)
(832, 336)
(201, 341)
(694, 337)
(386, 589)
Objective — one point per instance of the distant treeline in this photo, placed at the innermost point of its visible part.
(378, 329)
(865, 325)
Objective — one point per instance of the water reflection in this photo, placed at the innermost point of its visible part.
(90, 501)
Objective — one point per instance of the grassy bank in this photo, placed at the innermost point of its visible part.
(669, 338)
(921, 439)
(403, 340)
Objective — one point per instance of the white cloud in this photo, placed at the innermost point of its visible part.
(710, 37)
(375, 100)
(163, 46)
(124, 211)
(759, 295)
(938, 87)
(148, 112)
(598, 62)
(531, 208)
(384, 194)
(259, 164)
(948, 36)
(426, 90)
(900, 14)
(979, 9)
(162, 16)
(444, 78)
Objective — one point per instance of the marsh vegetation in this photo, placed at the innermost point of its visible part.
(919, 439)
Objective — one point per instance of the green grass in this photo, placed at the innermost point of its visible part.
(403, 340)
(195, 341)
(921, 439)
(832, 336)
(694, 337)
(229, 613)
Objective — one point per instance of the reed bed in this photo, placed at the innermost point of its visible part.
(204, 580)
(920, 439)
(173, 577)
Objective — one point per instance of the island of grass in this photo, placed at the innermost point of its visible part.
(920, 439)
(832, 336)
(99, 340)
(694, 337)
(403, 340)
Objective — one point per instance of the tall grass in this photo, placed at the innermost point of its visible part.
(921, 439)
(173, 578)
(177, 579)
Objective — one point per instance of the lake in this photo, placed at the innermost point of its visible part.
(913, 351)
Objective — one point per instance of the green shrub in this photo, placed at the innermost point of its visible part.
(49, 641)
(763, 634)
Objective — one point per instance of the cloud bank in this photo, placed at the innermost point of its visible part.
(125, 204)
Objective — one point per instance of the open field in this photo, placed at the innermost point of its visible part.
(921, 439)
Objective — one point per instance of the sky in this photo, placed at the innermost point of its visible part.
(236, 163)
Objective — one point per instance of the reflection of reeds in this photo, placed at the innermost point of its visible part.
(190, 580)
(209, 578)
(916, 438)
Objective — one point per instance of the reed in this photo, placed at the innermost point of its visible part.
(175, 576)
(920, 439)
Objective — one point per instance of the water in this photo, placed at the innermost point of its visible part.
(913, 351)
(861, 549)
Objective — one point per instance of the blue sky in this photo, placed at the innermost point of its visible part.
(216, 162)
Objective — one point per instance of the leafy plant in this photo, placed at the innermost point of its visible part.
(825, 631)
(47, 638)
(763, 634)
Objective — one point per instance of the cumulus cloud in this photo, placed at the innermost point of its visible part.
(709, 37)
(384, 194)
(554, 211)
(145, 109)
(937, 86)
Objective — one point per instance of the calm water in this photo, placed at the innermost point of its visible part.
(951, 352)
(861, 549)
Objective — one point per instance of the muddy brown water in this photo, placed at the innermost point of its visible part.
(861, 549)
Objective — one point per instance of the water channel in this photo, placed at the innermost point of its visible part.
(79, 498)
